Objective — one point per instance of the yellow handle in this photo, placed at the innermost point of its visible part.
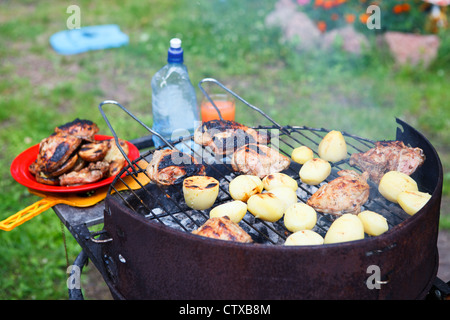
(28, 213)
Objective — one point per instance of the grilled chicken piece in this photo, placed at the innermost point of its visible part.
(115, 157)
(65, 167)
(94, 151)
(90, 174)
(83, 129)
(388, 156)
(258, 160)
(55, 150)
(45, 179)
(224, 136)
(345, 194)
(169, 167)
(223, 228)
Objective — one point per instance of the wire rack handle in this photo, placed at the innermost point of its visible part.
(116, 138)
(236, 96)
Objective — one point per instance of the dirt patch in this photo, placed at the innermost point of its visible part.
(94, 287)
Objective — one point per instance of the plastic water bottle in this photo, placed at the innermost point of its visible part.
(174, 102)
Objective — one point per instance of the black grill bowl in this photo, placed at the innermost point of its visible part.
(149, 260)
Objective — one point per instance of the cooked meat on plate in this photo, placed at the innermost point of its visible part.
(223, 228)
(95, 171)
(345, 194)
(223, 137)
(259, 160)
(72, 156)
(55, 150)
(388, 156)
(169, 167)
(83, 129)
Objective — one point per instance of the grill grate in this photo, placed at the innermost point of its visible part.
(160, 204)
(166, 204)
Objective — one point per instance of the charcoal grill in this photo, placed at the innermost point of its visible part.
(148, 251)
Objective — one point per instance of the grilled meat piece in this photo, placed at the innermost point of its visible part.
(224, 229)
(388, 156)
(345, 194)
(83, 129)
(44, 179)
(90, 174)
(224, 136)
(115, 157)
(65, 167)
(55, 150)
(258, 160)
(94, 151)
(169, 167)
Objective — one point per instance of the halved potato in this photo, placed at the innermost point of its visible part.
(412, 201)
(265, 206)
(287, 196)
(200, 192)
(244, 186)
(302, 154)
(347, 227)
(315, 171)
(235, 210)
(304, 238)
(279, 179)
(394, 182)
(333, 147)
(300, 216)
(374, 223)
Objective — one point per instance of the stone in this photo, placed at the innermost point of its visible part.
(411, 49)
(295, 25)
(351, 40)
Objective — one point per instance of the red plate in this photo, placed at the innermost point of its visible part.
(20, 172)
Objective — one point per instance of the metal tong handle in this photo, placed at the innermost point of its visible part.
(236, 96)
(136, 119)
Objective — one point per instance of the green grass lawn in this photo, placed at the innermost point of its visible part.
(224, 39)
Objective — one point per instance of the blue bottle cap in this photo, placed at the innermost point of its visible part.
(175, 53)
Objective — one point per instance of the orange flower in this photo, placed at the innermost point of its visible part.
(318, 3)
(398, 8)
(328, 5)
(363, 18)
(334, 16)
(406, 7)
(322, 26)
(350, 18)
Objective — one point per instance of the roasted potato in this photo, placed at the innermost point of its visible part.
(412, 201)
(265, 206)
(244, 186)
(315, 171)
(394, 182)
(374, 223)
(200, 192)
(333, 147)
(235, 210)
(347, 227)
(300, 216)
(304, 238)
(287, 196)
(279, 179)
(302, 154)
